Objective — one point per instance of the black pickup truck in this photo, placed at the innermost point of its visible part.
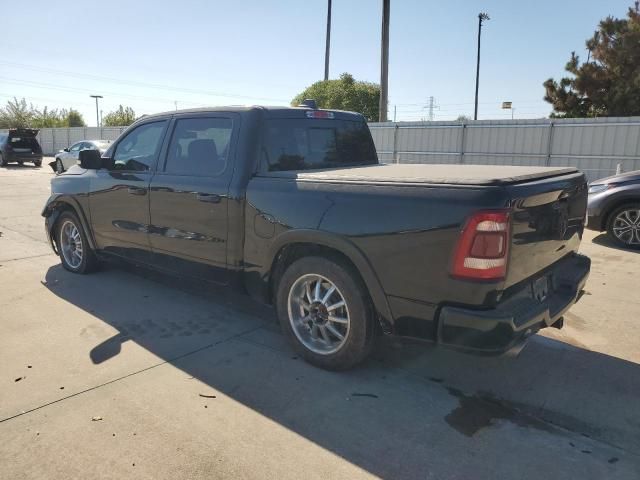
(292, 206)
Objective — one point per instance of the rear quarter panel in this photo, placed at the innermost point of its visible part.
(406, 233)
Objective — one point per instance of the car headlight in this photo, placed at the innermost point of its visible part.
(597, 188)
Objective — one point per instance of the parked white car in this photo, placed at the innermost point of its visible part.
(68, 157)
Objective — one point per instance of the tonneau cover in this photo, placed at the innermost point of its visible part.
(428, 173)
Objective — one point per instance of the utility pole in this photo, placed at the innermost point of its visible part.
(326, 50)
(394, 113)
(384, 62)
(481, 16)
(97, 110)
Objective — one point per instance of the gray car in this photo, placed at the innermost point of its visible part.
(68, 157)
(614, 206)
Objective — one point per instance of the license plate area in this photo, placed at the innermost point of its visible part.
(541, 288)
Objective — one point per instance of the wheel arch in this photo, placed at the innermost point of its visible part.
(615, 205)
(56, 207)
(293, 245)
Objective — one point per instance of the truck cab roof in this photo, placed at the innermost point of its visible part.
(268, 111)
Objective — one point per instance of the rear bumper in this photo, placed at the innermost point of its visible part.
(517, 316)
(23, 157)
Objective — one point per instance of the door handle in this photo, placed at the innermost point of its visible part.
(208, 197)
(137, 191)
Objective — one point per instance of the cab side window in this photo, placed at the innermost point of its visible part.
(139, 149)
(199, 146)
(76, 147)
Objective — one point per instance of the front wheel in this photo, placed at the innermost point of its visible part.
(37, 163)
(75, 253)
(624, 226)
(325, 312)
(3, 161)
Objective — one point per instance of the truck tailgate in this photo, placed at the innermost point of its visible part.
(547, 223)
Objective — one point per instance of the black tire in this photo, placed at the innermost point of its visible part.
(38, 163)
(3, 162)
(361, 332)
(59, 166)
(89, 262)
(634, 209)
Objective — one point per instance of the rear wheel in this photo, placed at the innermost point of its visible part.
(624, 226)
(75, 253)
(325, 312)
(20, 162)
(37, 163)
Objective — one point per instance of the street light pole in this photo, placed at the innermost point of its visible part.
(326, 51)
(97, 110)
(384, 62)
(481, 16)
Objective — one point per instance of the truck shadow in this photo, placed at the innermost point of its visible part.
(387, 405)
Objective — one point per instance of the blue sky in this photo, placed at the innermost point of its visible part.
(151, 54)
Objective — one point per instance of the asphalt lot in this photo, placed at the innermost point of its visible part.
(127, 374)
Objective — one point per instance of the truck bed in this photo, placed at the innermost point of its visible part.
(480, 175)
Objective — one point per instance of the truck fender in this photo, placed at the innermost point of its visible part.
(348, 249)
(55, 207)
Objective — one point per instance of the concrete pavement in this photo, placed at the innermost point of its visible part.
(126, 374)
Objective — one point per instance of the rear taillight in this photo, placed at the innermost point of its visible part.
(483, 248)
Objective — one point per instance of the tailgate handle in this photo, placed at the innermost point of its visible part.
(208, 197)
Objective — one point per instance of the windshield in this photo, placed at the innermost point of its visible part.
(305, 144)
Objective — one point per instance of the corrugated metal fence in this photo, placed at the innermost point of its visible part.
(52, 140)
(595, 146)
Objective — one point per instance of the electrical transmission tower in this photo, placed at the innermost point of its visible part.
(432, 106)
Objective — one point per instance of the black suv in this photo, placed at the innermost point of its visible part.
(20, 145)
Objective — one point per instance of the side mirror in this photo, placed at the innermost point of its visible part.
(90, 159)
(66, 149)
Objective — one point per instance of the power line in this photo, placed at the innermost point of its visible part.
(136, 83)
(51, 86)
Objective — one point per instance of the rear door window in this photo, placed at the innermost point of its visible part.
(306, 144)
(199, 146)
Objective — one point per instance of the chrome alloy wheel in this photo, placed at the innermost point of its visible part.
(318, 314)
(71, 244)
(626, 227)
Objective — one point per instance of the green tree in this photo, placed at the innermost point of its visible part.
(463, 118)
(16, 114)
(121, 117)
(344, 94)
(73, 118)
(608, 83)
(46, 118)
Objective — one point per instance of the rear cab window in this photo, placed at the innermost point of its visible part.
(303, 143)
